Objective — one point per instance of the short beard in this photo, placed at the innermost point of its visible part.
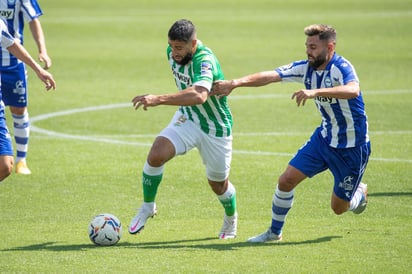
(185, 59)
(317, 63)
(320, 60)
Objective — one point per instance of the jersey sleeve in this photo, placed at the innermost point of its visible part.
(347, 71)
(6, 39)
(30, 9)
(203, 68)
(293, 72)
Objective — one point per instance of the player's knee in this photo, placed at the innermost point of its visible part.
(18, 110)
(155, 162)
(339, 208)
(290, 179)
(156, 158)
(286, 182)
(339, 211)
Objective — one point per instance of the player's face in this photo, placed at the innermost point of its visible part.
(182, 52)
(317, 52)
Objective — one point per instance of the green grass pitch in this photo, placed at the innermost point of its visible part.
(88, 144)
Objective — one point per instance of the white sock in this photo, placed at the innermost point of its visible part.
(357, 197)
(152, 171)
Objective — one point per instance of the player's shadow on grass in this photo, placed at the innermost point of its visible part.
(178, 244)
(223, 245)
(389, 194)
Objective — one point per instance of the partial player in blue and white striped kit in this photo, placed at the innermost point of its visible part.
(341, 142)
(8, 42)
(14, 75)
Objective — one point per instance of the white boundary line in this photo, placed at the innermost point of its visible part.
(110, 140)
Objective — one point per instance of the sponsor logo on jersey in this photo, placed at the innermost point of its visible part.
(183, 78)
(7, 13)
(328, 100)
(205, 68)
(286, 67)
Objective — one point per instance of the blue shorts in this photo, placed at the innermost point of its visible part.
(6, 147)
(347, 165)
(14, 86)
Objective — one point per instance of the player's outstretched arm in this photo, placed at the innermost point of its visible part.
(21, 53)
(225, 87)
(194, 95)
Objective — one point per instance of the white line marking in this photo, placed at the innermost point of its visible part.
(109, 139)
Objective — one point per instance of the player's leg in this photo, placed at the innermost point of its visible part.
(21, 130)
(306, 163)
(348, 167)
(162, 150)
(216, 154)
(283, 198)
(14, 89)
(168, 144)
(226, 194)
(6, 151)
(6, 166)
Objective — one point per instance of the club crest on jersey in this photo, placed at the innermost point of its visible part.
(328, 82)
(7, 13)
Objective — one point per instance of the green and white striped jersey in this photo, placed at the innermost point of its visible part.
(213, 116)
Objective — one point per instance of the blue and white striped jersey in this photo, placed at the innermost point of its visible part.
(6, 40)
(15, 13)
(344, 121)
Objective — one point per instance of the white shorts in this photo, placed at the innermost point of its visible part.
(216, 152)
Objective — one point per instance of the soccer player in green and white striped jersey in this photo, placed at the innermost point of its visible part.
(202, 121)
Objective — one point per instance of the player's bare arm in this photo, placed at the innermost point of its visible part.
(38, 36)
(21, 53)
(348, 91)
(194, 95)
(225, 87)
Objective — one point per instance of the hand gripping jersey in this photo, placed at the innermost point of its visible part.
(213, 116)
(15, 12)
(344, 121)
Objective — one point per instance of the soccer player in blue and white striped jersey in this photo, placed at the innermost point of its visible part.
(201, 121)
(14, 75)
(8, 42)
(341, 142)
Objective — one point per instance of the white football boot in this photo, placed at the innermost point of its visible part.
(145, 212)
(267, 236)
(229, 228)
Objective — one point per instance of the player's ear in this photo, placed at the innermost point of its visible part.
(331, 46)
(194, 43)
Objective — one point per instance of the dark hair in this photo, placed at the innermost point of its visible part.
(325, 32)
(182, 30)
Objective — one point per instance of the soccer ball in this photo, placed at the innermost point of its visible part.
(105, 229)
